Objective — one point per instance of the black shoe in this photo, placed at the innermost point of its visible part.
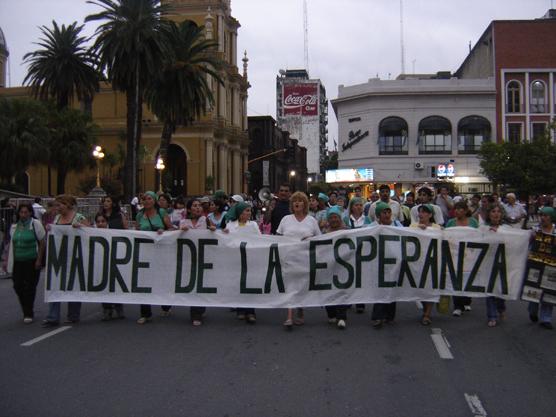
(533, 317)
(106, 315)
(546, 325)
(48, 323)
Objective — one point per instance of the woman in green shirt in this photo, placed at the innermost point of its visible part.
(154, 219)
(463, 219)
(25, 258)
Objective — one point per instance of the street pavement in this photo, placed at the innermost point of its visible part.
(227, 368)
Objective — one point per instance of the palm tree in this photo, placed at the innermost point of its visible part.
(72, 137)
(130, 45)
(181, 92)
(23, 135)
(63, 68)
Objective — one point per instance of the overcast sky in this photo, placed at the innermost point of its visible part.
(350, 41)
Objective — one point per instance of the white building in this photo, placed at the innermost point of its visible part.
(406, 129)
(302, 110)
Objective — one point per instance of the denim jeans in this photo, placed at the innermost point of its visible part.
(545, 315)
(74, 311)
(494, 306)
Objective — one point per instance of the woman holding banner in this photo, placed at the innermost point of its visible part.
(496, 307)
(154, 219)
(383, 312)
(239, 221)
(302, 226)
(25, 258)
(337, 314)
(67, 216)
(463, 219)
(425, 214)
(195, 220)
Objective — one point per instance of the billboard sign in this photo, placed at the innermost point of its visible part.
(445, 170)
(301, 99)
(349, 175)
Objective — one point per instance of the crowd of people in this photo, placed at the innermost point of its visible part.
(289, 214)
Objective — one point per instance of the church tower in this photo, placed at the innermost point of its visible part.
(3, 60)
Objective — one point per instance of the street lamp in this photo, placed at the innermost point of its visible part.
(98, 154)
(292, 174)
(160, 167)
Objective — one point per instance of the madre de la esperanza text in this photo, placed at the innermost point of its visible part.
(354, 263)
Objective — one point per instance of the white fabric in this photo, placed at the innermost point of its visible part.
(249, 227)
(291, 227)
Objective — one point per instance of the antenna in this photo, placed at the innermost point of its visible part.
(306, 36)
(401, 37)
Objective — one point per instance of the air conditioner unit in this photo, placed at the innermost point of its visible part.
(419, 165)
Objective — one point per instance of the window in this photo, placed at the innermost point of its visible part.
(538, 130)
(472, 132)
(435, 136)
(392, 136)
(538, 100)
(513, 97)
(514, 132)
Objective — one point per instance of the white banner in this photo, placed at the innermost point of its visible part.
(204, 268)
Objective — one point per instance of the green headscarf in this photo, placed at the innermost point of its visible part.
(152, 194)
(234, 213)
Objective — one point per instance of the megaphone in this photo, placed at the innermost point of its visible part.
(265, 194)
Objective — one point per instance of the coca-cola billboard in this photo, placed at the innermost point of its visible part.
(301, 99)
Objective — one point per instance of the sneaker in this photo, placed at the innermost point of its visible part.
(457, 312)
(333, 320)
(240, 316)
(28, 320)
(466, 308)
(71, 321)
(546, 325)
(341, 324)
(49, 323)
(533, 317)
(377, 324)
(196, 323)
(164, 313)
(251, 319)
(143, 320)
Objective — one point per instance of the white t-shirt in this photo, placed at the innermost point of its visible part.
(290, 226)
(438, 217)
(394, 206)
(249, 227)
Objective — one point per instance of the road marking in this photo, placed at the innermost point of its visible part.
(441, 344)
(475, 405)
(46, 336)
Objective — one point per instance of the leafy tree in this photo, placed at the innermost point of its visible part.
(131, 44)
(524, 167)
(181, 91)
(23, 135)
(71, 140)
(63, 68)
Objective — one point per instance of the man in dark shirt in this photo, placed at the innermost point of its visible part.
(282, 207)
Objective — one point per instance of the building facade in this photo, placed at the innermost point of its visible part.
(407, 130)
(209, 154)
(520, 55)
(275, 157)
(302, 110)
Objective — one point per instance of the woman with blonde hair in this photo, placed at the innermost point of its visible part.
(67, 216)
(302, 226)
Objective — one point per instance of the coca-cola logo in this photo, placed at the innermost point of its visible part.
(296, 101)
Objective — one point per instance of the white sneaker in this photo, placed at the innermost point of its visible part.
(467, 308)
(27, 320)
(457, 312)
(341, 324)
(332, 320)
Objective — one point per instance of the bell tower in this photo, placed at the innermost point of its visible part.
(3, 60)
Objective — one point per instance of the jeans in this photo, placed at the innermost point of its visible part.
(26, 277)
(246, 311)
(197, 313)
(545, 311)
(74, 311)
(494, 306)
(384, 311)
